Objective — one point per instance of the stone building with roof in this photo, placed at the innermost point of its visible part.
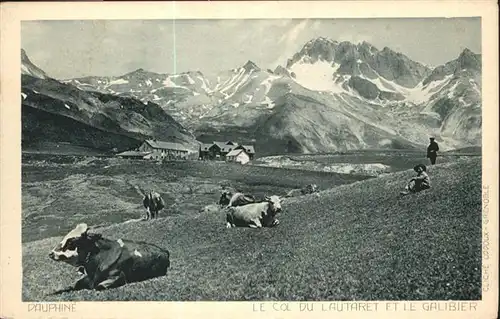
(238, 156)
(161, 150)
(220, 150)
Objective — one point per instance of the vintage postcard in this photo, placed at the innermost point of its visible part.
(264, 159)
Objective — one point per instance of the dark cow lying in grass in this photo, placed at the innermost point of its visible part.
(309, 189)
(153, 204)
(235, 199)
(255, 215)
(107, 263)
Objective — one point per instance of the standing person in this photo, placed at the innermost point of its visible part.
(432, 151)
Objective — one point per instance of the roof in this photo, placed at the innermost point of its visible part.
(248, 148)
(235, 152)
(166, 145)
(133, 153)
(224, 147)
(206, 146)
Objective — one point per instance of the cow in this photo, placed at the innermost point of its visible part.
(153, 204)
(255, 215)
(105, 263)
(235, 199)
(308, 189)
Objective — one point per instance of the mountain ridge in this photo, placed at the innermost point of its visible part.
(374, 90)
(105, 119)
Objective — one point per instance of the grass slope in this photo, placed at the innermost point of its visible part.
(359, 241)
(60, 191)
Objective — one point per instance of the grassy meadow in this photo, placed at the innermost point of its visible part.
(359, 240)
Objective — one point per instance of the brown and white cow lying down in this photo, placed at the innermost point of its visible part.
(153, 204)
(235, 199)
(308, 189)
(107, 263)
(255, 215)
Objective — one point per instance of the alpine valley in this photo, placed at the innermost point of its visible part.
(330, 96)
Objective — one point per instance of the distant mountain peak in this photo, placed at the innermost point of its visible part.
(387, 50)
(467, 51)
(250, 65)
(469, 60)
(365, 43)
(322, 40)
(138, 71)
(28, 68)
(281, 71)
(23, 54)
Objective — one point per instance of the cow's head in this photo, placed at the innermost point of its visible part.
(275, 203)
(225, 197)
(74, 247)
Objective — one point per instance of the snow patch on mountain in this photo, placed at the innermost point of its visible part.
(169, 83)
(270, 104)
(237, 80)
(118, 81)
(316, 76)
(25, 69)
(240, 83)
(452, 92)
(421, 94)
(249, 99)
(204, 85)
(267, 83)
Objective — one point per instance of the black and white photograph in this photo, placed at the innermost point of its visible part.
(252, 159)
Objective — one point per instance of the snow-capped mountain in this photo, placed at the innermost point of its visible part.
(384, 99)
(189, 96)
(60, 112)
(330, 96)
(28, 68)
(351, 64)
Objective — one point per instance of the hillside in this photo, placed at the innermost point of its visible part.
(61, 113)
(330, 96)
(360, 241)
(87, 185)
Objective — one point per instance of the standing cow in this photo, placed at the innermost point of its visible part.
(153, 204)
(106, 263)
(255, 215)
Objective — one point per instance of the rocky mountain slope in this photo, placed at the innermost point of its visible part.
(58, 112)
(330, 96)
(28, 68)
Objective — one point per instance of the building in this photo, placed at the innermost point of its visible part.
(238, 156)
(249, 149)
(220, 150)
(160, 150)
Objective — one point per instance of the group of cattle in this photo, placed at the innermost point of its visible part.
(104, 263)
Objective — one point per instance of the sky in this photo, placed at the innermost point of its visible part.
(69, 49)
